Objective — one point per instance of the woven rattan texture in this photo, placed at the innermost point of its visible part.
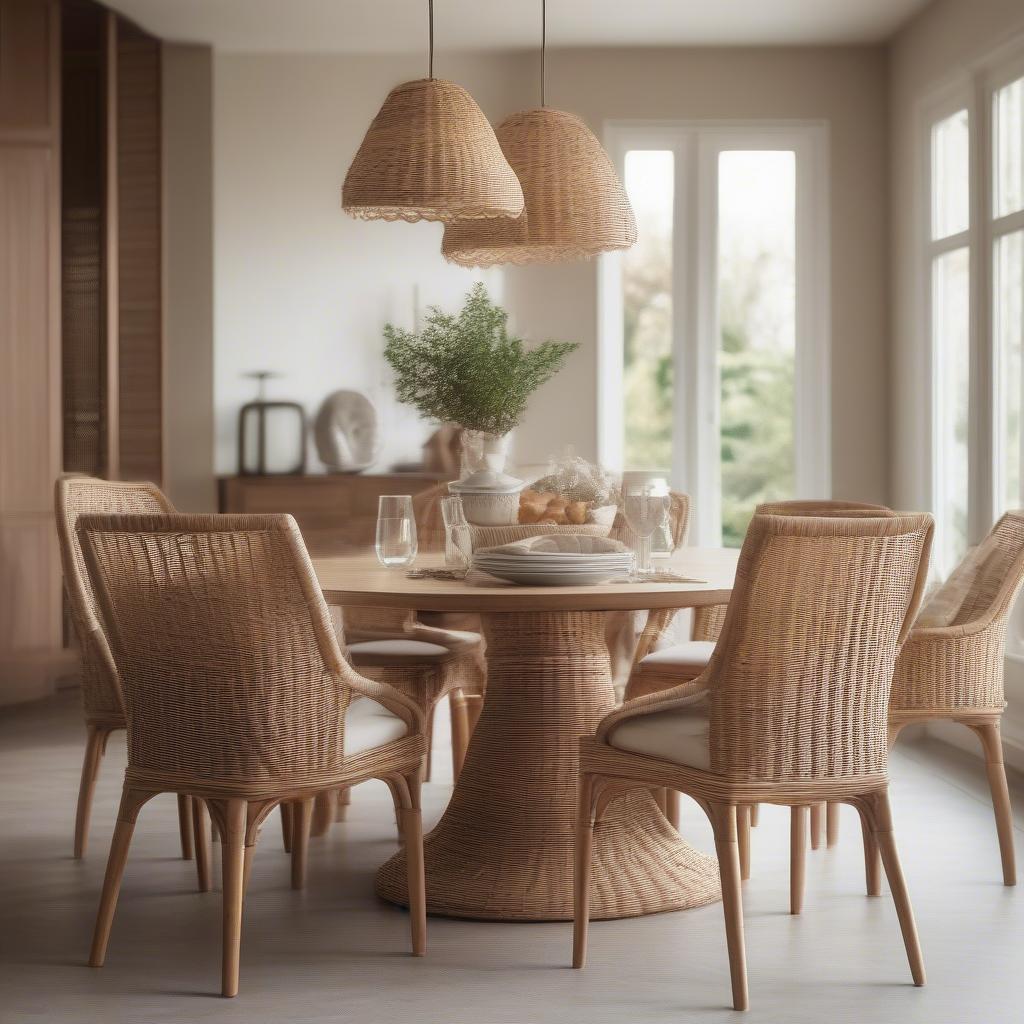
(576, 206)
(799, 680)
(430, 154)
(503, 848)
(232, 674)
(959, 666)
(76, 496)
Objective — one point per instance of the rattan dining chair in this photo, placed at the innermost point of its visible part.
(656, 667)
(101, 693)
(791, 710)
(951, 667)
(237, 693)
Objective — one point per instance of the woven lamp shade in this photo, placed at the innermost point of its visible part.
(576, 206)
(430, 154)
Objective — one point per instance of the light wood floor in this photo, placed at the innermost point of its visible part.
(335, 953)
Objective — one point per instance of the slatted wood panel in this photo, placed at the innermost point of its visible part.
(30, 632)
(140, 270)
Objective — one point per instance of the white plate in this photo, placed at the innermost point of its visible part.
(555, 579)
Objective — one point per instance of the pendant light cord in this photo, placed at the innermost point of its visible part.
(430, 20)
(543, 48)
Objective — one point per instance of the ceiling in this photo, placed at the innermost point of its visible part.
(382, 26)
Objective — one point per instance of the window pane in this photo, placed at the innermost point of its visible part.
(647, 312)
(1008, 143)
(950, 176)
(951, 345)
(757, 318)
(1008, 332)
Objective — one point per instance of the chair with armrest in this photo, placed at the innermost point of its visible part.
(237, 694)
(792, 708)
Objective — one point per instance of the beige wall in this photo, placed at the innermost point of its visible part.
(304, 289)
(188, 276)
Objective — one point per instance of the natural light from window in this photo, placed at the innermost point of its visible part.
(647, 312)
(757, 331)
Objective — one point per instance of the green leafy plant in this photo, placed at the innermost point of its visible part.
(467, 369)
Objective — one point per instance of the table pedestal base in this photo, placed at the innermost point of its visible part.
(503, 849)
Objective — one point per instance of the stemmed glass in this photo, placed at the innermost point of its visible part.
(458, 539)
(644, 506)
(396, 531)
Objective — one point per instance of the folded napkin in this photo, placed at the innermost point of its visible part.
(564, 543)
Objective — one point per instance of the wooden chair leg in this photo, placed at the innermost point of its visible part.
(797, 857)
(95, 741)
(323, 814)
(250, 853)
(201, 836)
(185, 825)
(284, 809)
(988, 733)
(460, 730)
(233, 854)
(872, 858)
(755, 815)
(583, 852)
(882, 822)
(743, 839)
(672, 808)
(343, 803)
(832, 823)
(111, 887)
(428, 766)
(817, 825)
(412, 832)
(727, 848)
(302, 816)
(474, 705)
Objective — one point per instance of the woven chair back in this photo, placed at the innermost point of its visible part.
(801, 675)
(816, 507)
(984, 585)
(83, 495)
(231, 672)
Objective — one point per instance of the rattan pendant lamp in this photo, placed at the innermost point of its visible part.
(430, 154)
(576, 206)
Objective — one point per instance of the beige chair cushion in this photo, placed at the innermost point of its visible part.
(689, 658)
(679, 735)
(369, 724)
(390, 652)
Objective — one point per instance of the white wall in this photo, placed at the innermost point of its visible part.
(844, 86)
(301, 287)
(304, 289)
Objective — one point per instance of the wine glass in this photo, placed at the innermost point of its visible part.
(458, 539)
(644, 506)
(396, 531)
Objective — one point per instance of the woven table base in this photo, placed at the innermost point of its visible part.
(504, 848)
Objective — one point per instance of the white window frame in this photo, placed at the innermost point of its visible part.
(695, 146)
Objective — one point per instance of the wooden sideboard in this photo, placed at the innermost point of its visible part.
(337, 512)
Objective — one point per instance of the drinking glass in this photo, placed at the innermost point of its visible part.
(396, 531)
(458, 538)
(644, 506)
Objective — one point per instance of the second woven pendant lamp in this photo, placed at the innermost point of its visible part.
(576, 206)
(430, 154)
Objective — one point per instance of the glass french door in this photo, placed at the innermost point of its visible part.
(714, 326)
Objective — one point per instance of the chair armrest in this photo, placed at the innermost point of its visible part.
(666, 700)
(389, 696)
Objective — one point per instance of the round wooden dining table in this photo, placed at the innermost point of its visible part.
(503, 849)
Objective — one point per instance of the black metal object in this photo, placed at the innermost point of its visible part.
(259, 410)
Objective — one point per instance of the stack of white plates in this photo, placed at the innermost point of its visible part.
(553, 568)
